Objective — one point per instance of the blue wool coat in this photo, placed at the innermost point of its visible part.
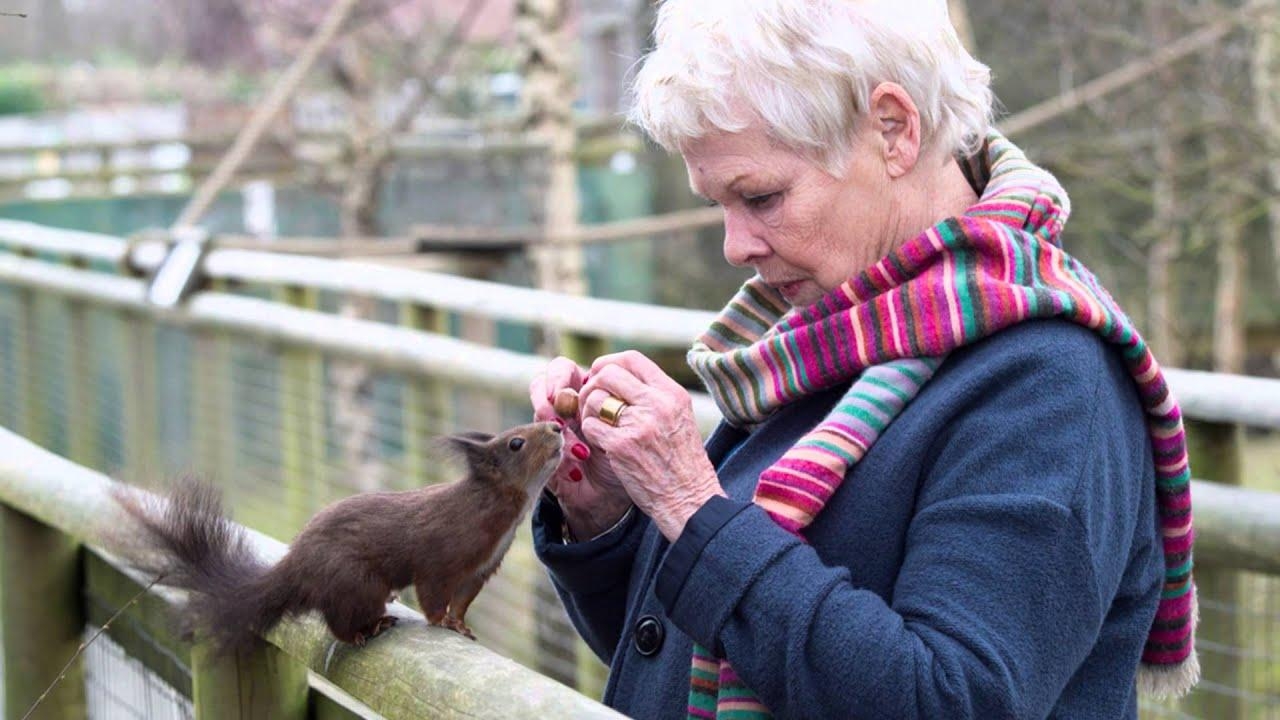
(994, 555)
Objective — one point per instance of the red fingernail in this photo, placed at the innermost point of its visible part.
(575, 474)
(558, 420)
(580, 451)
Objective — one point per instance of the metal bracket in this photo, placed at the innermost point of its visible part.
(181, 270)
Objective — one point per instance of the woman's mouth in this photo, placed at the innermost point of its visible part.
(789, 290)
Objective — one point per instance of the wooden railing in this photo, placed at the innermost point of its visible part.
(1238, 529)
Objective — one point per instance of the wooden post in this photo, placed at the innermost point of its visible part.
(258, 684)
(42, 615)
(141, 428)
(221, 382)
(1216, 454)
(82, 398)
(425, 406)
(144, 629)
(211, 418)
(302, 449)
(583, 349)
(34, 411)
(8, 345)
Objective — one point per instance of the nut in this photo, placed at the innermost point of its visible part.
(566, 403)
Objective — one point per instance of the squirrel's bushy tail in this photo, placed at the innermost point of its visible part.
(234, 596)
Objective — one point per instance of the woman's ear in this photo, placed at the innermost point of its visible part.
(895, 120)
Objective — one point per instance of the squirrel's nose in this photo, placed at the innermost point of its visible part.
(555, 427)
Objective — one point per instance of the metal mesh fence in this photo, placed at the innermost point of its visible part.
(282, 430)
(120, 687)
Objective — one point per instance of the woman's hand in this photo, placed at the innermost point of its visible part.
(655, 451)
(589, 493)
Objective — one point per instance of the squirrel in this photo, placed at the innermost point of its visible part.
(352, 556)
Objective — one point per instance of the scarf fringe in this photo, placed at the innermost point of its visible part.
(1168, 682)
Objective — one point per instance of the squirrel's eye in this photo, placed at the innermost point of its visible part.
(516, 444)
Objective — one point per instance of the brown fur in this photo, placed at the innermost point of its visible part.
(446, 540)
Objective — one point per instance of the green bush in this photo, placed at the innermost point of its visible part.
(19, 94)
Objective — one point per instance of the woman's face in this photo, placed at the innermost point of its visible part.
(802, 230)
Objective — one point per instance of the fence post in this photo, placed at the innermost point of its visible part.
(40, 579)
(141, 429)
(258, 684)
(82, 400)
(212, 421)
(425, 406)
(302, 418)
(1216, 450)
(582, 349)
(35, 413)
(7, 344)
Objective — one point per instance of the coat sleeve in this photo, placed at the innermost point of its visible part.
(592, 578)
(1005, 582)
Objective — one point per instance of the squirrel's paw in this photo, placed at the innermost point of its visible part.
(458, 626)
(383, 624)
(386, 622)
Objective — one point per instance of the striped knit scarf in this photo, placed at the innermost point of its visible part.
(891, 326)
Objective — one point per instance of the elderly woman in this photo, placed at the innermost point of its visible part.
(950, 481)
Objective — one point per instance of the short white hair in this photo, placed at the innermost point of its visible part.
(807, 69)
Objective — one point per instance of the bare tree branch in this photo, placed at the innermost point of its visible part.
(1120, 78)
(265, 113)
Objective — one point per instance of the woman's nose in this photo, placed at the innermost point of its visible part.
(742, 245)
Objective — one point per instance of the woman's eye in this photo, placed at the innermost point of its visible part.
(516, 444)
(759, 202)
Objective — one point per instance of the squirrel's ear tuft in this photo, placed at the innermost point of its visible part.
(472, 446)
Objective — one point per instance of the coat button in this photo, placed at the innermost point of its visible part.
(649, 634)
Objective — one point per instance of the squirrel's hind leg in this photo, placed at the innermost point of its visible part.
(355, 613)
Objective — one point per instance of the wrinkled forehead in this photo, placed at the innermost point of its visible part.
(717, 160)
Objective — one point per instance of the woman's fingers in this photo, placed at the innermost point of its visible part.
(560, 373)
(611, 380)
(636, 363)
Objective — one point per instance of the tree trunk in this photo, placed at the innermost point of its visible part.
(1228, 305)
(549, 91)
(1162, 333)
(1266, 93)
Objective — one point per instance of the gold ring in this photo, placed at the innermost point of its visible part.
(611, 409)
